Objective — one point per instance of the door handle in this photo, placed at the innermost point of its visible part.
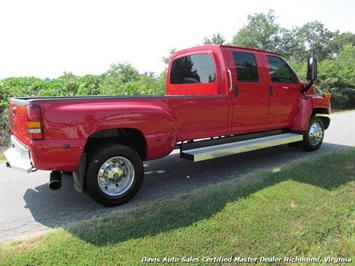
(284, 87)
(230, 79)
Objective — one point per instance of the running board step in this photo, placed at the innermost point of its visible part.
(215, 151)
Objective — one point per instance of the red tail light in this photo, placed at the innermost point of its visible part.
(34, 122)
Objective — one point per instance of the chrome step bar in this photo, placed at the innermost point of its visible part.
(215, 151)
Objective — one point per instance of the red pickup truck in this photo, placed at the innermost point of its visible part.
(220, 100)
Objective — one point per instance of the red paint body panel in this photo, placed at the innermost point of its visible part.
(18, 119)
(303, 115)
(321, 103)
(249, 105)
(189, 111)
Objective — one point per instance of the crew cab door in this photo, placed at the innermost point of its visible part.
(249, 94)
(284, 92)
(199, 105)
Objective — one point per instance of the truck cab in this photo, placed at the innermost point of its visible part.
(260, 89)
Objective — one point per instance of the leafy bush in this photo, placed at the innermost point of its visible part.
(4, 129)
(342, 98)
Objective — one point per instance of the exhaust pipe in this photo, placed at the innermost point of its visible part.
(55, 180)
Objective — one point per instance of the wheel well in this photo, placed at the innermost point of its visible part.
(130, 137)
(325, 119)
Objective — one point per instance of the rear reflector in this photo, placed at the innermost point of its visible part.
(34, 122)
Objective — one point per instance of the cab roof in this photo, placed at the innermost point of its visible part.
(214, 46)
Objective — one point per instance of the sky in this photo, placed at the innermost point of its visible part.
(45, 38)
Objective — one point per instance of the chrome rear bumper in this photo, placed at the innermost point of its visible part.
(18, 156)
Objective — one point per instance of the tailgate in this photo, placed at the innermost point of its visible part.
(18, 118)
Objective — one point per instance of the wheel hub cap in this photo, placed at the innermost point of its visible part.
(115, 173)
(315, 134)
(115, 176)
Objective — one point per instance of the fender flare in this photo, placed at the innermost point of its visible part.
(325, 119)
(304, 114)
(306, 110)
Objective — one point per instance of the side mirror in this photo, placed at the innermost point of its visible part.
(311, 73)
(312, 69)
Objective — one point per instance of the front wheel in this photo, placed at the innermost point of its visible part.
(114, 175)
(313, 137)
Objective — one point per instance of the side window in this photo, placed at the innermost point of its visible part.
(280, 71)
(193, 69)
(247, 69)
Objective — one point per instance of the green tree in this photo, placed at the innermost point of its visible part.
(261, 32)
(316, 39)
(120, 79)
(339, 40)
(166, 58)
(124, 72)
(65, 85)
(339, 73)
(291, 45)
(149, 83)
(216, 38)
(90, 85)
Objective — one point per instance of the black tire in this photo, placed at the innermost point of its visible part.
(313, 137)
(114, 174)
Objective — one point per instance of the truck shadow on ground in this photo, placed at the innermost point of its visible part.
(167, 178)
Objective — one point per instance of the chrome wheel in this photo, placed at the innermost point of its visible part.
(315, 134)
(116, 176)
(313, 137)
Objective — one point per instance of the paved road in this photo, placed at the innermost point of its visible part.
(28, 206)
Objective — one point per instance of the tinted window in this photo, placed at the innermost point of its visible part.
(280, 71)
(193, 69)
(246, 66)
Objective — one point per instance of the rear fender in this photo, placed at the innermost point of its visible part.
(154, 121)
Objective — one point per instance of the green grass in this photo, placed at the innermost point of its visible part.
(305, 209)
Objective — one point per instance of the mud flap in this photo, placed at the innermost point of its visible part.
(79, 176)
